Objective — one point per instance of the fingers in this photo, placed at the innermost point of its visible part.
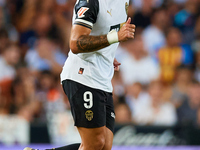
(130, 32)
(132, 26)
(116, 68)
(127, 31)
(117, 64)
(130, 36)
(131, 29)
(128, 21)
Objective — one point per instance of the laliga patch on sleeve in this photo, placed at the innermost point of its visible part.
(82, 11)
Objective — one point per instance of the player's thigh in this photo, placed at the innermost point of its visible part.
(109, 139)
(92, 138)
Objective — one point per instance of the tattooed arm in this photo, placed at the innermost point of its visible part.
(82, 42)
(87, 43)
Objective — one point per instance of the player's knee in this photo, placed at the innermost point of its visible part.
(99, 143)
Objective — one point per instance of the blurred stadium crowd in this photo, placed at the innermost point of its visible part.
(159, 79)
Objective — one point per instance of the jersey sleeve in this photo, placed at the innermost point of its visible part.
(86, 12)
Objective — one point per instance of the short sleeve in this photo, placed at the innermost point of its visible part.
(86, 12)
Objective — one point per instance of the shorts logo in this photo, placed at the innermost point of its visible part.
(81, 71)
(82, 11)
(89, 115)
(113, 114)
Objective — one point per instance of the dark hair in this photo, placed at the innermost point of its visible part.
(156, 10)
(194, 81)
(8, 46)
(171, 29)
(46, 72)
(184, 66)
(3, 33)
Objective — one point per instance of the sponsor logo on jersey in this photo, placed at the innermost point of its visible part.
(81, 71)
(117, 27)
(113, 114)
(89, 115)
(82, 11)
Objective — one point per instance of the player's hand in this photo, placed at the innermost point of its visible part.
(127, 31)
(116, 65)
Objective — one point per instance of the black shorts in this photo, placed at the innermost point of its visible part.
(91, 108)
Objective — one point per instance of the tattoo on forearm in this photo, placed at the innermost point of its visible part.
(87, 43)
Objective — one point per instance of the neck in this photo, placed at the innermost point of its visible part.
(136, 95)
(193, 105)
(158, 26)
(181, 84)
(6, 59)
(137, 57)
(155, 103)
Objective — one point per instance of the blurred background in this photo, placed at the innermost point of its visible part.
(156, 92)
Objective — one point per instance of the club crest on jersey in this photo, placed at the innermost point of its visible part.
(82, 11)
(89, 115)
(81, 71)
(126, 8)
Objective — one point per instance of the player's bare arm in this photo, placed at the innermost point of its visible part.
(82, 42)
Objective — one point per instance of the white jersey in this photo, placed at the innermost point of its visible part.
(95, 69)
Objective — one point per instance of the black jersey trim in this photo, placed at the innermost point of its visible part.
(92, 12)
(83, 24)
